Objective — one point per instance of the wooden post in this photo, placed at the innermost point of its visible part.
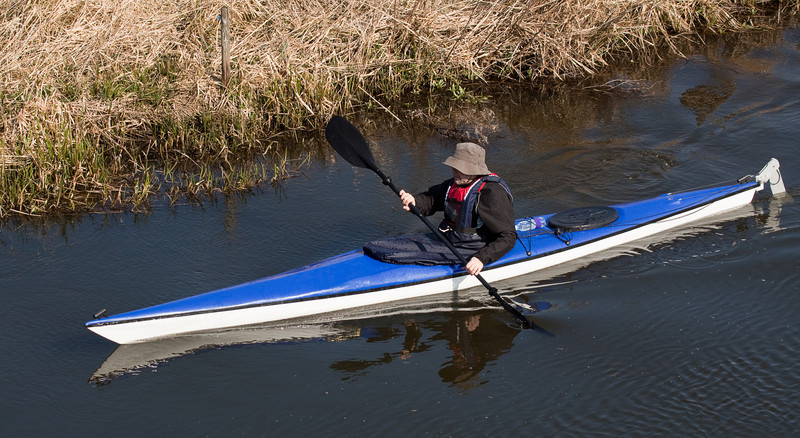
(225, 34)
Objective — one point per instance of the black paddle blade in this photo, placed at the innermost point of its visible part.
(351, 145)
(348, 142)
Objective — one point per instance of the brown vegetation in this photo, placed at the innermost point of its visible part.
(107, 102)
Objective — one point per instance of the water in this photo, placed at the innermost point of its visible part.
(696, 335)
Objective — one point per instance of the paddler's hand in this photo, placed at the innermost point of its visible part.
(474, 266)
(407, 199)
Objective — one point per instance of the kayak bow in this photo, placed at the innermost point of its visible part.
(352, 279)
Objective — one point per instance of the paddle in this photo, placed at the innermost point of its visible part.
(348, 142)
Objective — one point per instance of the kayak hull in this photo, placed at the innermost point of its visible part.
(352, 279)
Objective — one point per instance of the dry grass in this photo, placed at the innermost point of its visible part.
(134, 84)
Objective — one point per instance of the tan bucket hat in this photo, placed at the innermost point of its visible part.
(469, 159)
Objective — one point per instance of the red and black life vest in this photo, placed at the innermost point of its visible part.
(461, 204)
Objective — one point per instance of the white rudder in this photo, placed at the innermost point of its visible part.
(771, 173)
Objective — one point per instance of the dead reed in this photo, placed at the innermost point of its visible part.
(107, 102)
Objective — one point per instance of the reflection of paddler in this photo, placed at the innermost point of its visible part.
(475, 341)
(411, 342)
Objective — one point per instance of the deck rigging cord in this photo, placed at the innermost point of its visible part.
(533, 227)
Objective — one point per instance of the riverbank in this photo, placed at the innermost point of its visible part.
(105, 104)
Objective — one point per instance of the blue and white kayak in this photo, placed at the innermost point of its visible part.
(352, 279)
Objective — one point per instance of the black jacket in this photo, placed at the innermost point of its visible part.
(495, 210)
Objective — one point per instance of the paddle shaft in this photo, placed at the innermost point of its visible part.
(347, 140)
(492, 290)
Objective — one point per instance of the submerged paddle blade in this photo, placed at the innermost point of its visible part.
(348, 142)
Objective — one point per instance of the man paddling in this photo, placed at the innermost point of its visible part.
(478, 217)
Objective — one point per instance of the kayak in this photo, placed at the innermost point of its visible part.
(353, 279)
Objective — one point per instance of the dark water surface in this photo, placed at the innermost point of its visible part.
(697, 335)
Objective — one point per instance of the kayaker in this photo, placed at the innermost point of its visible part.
(478, 217)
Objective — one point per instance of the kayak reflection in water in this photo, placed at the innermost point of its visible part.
(478, 217)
